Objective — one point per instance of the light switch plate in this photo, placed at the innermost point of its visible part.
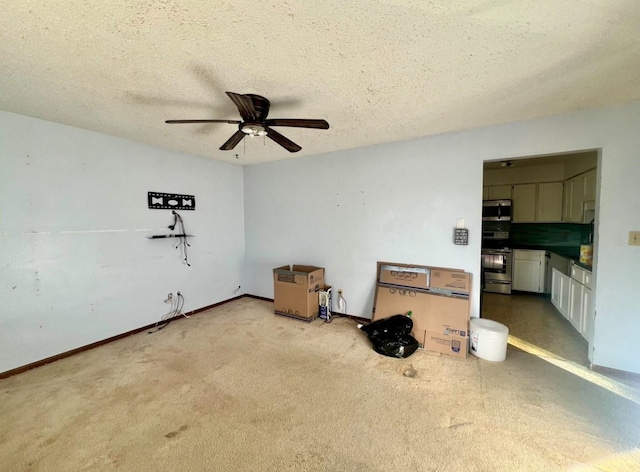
(634, 238)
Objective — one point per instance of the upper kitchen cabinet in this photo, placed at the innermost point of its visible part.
(537, 203)
(496, 192)
(577, 191)
(500, 192)
(590, 185)
(549, 202)
(524, 203)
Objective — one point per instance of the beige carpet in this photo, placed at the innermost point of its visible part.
(239, 389)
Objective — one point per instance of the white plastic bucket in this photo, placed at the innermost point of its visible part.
(488, 339)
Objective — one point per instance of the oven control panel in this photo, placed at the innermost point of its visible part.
(495, 235)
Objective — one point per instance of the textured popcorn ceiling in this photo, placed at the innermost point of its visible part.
(378, 71)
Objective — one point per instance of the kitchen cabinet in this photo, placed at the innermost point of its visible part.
(524, 203)
(590, 185)
(540, 202)
(558, 262)
(496, 192)
(588, 315)
(528, 270)
(560, 291)
(577, 191)
(575, 304)
(573, 298)
(556, 287)
(549, 202)
(584, 304)
(573, 200)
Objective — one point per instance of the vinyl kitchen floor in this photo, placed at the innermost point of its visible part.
(533, 321)
(536, 327)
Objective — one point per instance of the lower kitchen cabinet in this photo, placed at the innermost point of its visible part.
(528, 270)
(575, 304)
(560, 291)
(588, 313)
(574, 300)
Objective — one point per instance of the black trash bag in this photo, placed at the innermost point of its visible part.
(397, 324)
(390, 337)
(399, 346)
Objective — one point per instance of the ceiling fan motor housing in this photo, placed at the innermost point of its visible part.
(261, 106)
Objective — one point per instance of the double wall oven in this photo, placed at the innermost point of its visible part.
(497, 255)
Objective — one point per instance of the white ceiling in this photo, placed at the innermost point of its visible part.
(378, 71)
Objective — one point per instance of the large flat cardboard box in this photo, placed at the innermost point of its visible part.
(295, 290)
(448, 315)
(404, 275)
(392, 300)
(449, 280)
(455, 346)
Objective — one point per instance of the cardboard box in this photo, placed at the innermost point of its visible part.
(404, 275)
(295, 290)
(438, 298)
(449, 281)
(392, 300)
(448, 315)
(455, 346)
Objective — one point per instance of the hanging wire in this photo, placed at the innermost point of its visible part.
(175, 312)
(182, 243)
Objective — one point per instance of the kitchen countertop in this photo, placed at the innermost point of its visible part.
(584, 266)
(570, 252)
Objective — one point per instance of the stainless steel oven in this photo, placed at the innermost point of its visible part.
(496, 266)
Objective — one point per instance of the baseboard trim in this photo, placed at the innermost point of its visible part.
(265, 299)
(57, 357)
(614, 372)
(359, 319)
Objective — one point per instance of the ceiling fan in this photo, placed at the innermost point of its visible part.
(254, 110)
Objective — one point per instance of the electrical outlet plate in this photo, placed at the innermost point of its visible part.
(634, 238)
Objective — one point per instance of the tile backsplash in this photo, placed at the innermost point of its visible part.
(550, 234)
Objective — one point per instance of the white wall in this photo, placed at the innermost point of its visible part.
(63, 290)
(399, 202)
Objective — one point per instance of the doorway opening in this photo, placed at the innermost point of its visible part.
(539, 231)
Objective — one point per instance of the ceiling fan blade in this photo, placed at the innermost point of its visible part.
(233, 122)
(282, 141)
(318, 124)
(233, 141)
(245, 106)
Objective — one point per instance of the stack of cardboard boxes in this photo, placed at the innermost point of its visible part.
(438, 299)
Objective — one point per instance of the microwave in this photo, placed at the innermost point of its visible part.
(496, 210)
